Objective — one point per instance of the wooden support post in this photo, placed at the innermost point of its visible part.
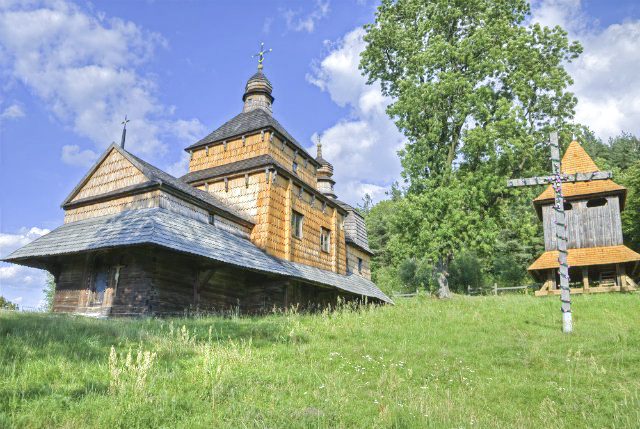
(620, 276)
(287, 220)
(585, 280)
(624, 284)
(495, 289)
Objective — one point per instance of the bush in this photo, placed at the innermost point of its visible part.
(466, 270)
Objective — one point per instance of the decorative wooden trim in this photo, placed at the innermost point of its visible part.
(226, 184)
(224, 144)
(261, 136)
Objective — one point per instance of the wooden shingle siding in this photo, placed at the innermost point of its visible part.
(353, 253)
(285, 157)
(216, 155)
(133, 202)
(587, 226)
(115, 172)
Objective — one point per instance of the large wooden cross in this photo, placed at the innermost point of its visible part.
(556, 181)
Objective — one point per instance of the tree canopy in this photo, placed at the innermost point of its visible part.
(475, 90)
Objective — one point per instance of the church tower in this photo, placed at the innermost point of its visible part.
(325, 173)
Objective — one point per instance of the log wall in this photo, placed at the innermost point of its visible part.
(115, 172)
(353, 253)
(149, 280)
(128, 284)
(587, 226)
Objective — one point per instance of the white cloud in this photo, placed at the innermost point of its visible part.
(73, 155)
(363, 146)
(87, 68)
(12, 112)
(298, 22)
(266, 26)
(11, 242)
(21, 285)
(605, 75)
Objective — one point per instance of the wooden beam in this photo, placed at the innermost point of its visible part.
(566, 178)
(585, 279)
(202, 278)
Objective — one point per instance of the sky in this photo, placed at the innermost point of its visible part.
(71, 70)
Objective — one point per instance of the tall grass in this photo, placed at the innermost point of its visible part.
(499, 362)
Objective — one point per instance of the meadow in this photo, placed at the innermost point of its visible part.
(469, 362)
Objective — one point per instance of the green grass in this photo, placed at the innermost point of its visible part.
(481, 362)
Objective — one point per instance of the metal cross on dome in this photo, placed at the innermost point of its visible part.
(561, 229)
(261, 55)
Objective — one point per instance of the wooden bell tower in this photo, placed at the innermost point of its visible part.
(596, 253)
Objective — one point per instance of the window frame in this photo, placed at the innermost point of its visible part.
(325, 240)
(360, 264)
(297, 227)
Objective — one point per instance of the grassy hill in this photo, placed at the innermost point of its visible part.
(486, 362)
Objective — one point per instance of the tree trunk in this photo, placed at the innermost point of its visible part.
(443, 283)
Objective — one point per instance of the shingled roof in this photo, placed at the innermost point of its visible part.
(154, 174)
(157, 226)
(245, 123)
(576, 160)
(355, 228)
(225, 169)
(584, 257)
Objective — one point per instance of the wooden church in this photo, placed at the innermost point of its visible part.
(597, 257)
(254, 225)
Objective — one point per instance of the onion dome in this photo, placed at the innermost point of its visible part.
(257, 94)
(325, 171)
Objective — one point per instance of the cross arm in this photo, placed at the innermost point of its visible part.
(566, 178)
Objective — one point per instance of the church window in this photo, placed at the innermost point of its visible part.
(567, 206)
(325, 240)
(295, 167)
(212, 219)
(296, 224)
(596, 202)
(360, 265)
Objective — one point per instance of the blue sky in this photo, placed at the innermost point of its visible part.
(71, 70)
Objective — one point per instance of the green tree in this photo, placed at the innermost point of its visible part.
(8, 305)
(631, 215)
(474, 92)
(49, 292)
